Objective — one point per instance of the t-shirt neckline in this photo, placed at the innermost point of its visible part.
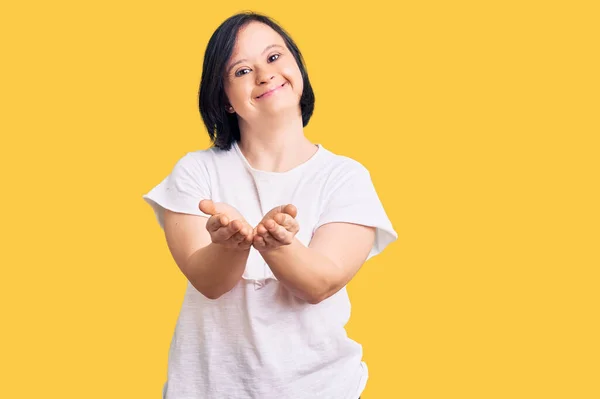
(295, 169)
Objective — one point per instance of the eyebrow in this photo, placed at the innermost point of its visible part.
(242, 60)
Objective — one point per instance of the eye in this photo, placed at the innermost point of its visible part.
(239, 73)
(274, 57)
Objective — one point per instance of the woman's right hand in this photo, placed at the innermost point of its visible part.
(226, 225)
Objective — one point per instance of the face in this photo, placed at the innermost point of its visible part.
(262, 77)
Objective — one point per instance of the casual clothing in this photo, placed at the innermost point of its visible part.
(258, 340)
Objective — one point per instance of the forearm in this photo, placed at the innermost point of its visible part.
(214, 270)
(304, 271)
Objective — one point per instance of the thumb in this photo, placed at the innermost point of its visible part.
(208, 207)
(290, 210)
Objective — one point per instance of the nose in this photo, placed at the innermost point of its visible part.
(264, 76)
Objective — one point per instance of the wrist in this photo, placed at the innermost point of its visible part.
(230, 250)
(281, 249)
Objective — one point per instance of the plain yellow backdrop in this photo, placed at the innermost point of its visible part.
(478, 121)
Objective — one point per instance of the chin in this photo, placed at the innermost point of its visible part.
(282, 107)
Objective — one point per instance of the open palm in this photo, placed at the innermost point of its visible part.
(226, 225)
(278, 228)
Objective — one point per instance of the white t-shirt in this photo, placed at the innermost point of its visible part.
(258, 341)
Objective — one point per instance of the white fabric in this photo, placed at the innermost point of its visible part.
(259, 341)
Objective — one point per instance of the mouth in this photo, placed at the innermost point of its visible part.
(267, 94)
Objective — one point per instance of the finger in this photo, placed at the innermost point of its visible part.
(274, 211)
(270, 224)
(249, 238)
(208, 207)
(265, 233)
(216, 222)
(270, 241)
(280, 218)
(261, 230)
(238, 238)
(234, 227)
(290, 210)
(240, 235)
(280, 234)
(288, 222)
(259, 242)
(222, 235)
(227, 232)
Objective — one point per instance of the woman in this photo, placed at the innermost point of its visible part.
(268, 228)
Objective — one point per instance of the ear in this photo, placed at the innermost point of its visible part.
(229, 109)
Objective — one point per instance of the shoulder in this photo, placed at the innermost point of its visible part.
(205, 155)
(202, 159)
(341, 167)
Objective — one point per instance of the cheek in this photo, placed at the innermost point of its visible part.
(237, 93)
(300, 85)
(295, 76)
(228, 93)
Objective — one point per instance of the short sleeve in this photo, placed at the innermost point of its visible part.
(352, 198)
(182, 190)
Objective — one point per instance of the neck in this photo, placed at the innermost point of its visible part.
(275, 145)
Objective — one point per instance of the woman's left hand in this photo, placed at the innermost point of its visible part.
(278, 228)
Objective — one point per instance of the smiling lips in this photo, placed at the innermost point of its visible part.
(270, 92)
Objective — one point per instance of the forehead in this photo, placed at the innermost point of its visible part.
(252, 39)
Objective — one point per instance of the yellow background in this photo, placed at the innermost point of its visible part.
(479, 122)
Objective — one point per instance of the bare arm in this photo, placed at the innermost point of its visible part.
(314, 273)
(212, 268)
